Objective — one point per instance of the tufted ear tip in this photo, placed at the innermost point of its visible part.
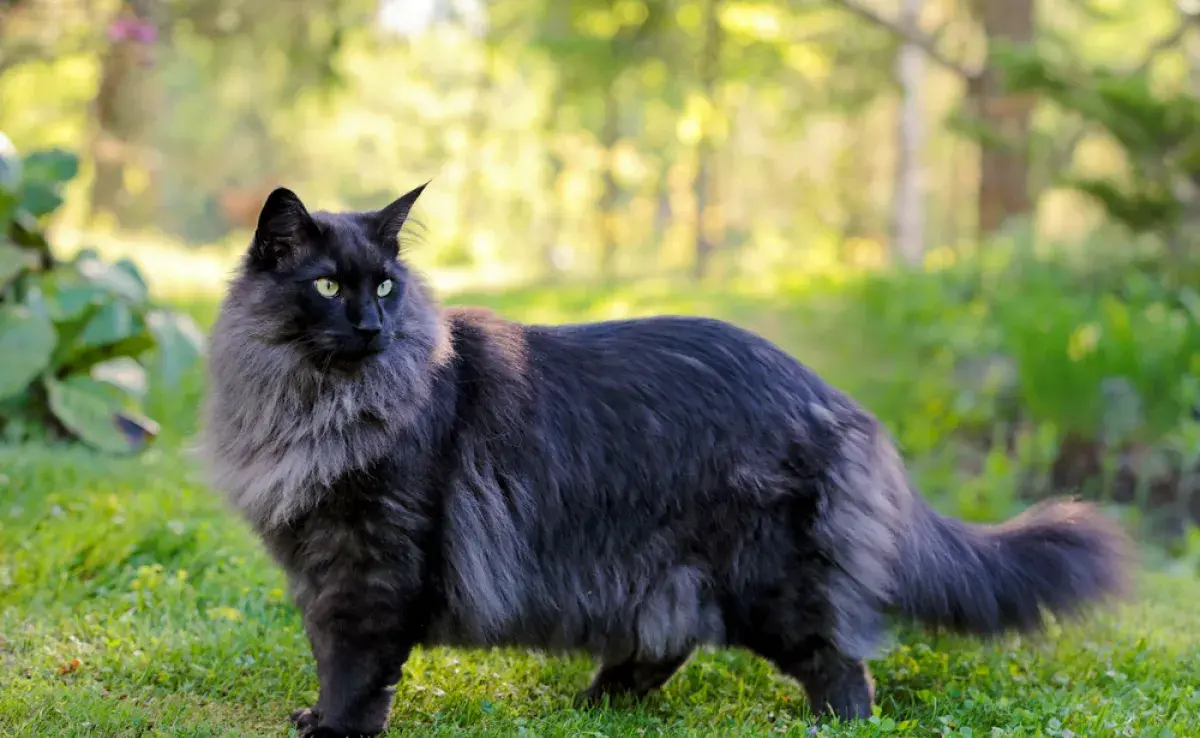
(391, 219)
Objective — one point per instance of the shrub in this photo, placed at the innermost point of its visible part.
(1110, 351)
(76, 337)
(1085, 376)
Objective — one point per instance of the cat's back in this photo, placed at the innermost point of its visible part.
(673, 361)
(690, 333)
(666, 397)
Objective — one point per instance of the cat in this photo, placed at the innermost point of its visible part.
(632, 489)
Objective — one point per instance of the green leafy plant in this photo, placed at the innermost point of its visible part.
(1037, 374)
(79, 338)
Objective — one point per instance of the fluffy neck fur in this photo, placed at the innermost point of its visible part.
(279, 429)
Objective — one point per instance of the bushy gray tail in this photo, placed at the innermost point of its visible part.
(985, 580)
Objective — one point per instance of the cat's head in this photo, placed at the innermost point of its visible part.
(331, 285)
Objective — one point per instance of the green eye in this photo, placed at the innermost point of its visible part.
(326, 287)
(384, 289)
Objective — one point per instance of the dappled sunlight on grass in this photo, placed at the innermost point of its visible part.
(132, 600)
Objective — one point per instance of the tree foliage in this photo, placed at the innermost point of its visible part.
(536, 116)
(1158, 134)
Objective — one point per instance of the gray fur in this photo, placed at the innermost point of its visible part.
(281, 429)
(632, 489)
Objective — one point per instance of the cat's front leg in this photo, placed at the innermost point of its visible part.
(360, 650)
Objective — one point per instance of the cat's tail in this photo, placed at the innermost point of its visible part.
(982, 580)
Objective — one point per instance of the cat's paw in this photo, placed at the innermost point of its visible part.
(306, 719)
(590, 697)
(308, 725)
(600, 696)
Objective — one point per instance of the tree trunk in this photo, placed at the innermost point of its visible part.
(908, 198)
(704, 185)
(610, 133)
(120, 108)
(954, 202)
(1003, 169)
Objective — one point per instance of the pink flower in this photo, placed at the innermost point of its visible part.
(145, 33)
(132, 29)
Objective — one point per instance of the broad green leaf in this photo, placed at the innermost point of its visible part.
(83, 357)
(26, 344)
(115, 397)
(114, 322)
(179, 342)
(88, 409)
(73, 302)
(35, 300)
(39, 198)
(10, 166)
(127, 266)
(25, 231)
(120, 279)
(51, 165)
(72, 311)
(13, 261)
(124, 373)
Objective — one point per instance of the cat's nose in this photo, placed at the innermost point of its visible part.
(368, 332)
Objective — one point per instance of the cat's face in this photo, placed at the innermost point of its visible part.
(329, 284)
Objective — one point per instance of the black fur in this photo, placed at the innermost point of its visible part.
(984, 580)
(634, 489)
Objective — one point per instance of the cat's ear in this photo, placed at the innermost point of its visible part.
(391, 219)
(284, 226)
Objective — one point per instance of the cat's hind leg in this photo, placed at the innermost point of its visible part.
(797, 631)
(632, 677)
(836, 684)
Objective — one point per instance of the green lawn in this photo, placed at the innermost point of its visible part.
(133, 603)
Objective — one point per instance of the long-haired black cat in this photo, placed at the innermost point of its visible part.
(633, 489)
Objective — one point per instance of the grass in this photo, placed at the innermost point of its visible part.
(133, 603)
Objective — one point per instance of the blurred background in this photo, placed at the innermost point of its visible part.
(974, 215)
